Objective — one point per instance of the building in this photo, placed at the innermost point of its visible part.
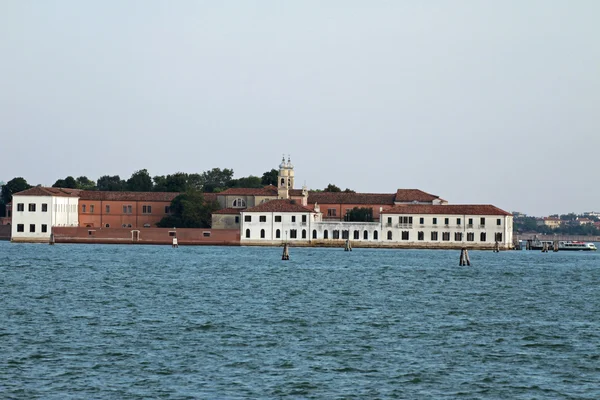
(550, 222)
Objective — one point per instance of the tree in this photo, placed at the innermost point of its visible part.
(246, 182)
(189, 210)
(68, 183)
(194, 181)
(177, 182)
(332, 188)
(270, 177)
(84, 183)
(140, 181)
(349, 191)
(111, 183)
(15, 185)
(216, 179)
(363, 214)
(160, 183)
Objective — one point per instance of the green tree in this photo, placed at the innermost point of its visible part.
(246, 182)
(189, 210)
(111, 183)
(160, 183)
(177, 182)
(140, 181)
(84, 183)
(15, 185)
(216, 180)
(363, 214)
(332, 188)
(270, 178)
(349, 191)
(68, 183)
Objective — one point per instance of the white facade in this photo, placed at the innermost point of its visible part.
(275, 227)
(34, 216)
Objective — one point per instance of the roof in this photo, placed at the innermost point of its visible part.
(279, 206)
(229, 210)
(49, 191)
(135, 196)
(446, 209)
(350, 198)
(410, 195)
(269, 190)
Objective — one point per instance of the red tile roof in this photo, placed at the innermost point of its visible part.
(49, 191)
(280, 206)
(229, 211)
(264, 191)
(350, 198)
(136, 196)
(410, 195)
(446, 209)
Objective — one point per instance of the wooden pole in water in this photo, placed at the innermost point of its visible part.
(497, 247)
(51, 239)
(464, 257)
(286, 252)
(545, 247)
(347, 246)
(555, 246)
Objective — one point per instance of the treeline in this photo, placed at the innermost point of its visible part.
(569, 225)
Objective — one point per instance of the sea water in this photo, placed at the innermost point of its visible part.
(153, 322)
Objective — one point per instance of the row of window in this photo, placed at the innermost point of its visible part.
(263, 218)
(405, 235)
(21, 228)
(127, 209)
(406, 220)
(31, 207)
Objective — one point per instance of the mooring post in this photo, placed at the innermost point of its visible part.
(51, 239)
(545, 247)
(347, 245)
(497, 247)
(175, 245)
(286, 252)
(464, 257)
(555, 246)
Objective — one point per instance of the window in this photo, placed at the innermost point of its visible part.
(421, 221)
(498, 222)
(434, 236)
(129, 225)
(336, 234)
(107, 226)
(124, 209)
(167, 209)
(172, 233)
(277, 234)
(31, 227)
(45, 208)
(248, 233)
(125, 226)
(247, 218)
(147, 225)
(90, 233)
(458, 236)
(471, 221)
(405, 220)
(20, 207)
(237, 219)
(446, 221)
(304, 220)
(498, 236)
(356, 235)
(262, 218)
(420, 235)
(446, 236)
(345, 234)
(375, 235)
(293, 234)
(91, 208)
(470, 236)
(278, 218)
(405, 235)
(239, 203)
(458, 221)
(366, 235)
(389, 222)
(293, 218)
(262, 233)
(434, 221)
(129, 209)
(107, 209)
(325, 234)
(83, 208)
(20, 228)
(314, 236)
(303, 233)
(44, 228)
(482, 237)
(206, 234)
(482, 221)
(389, 235)
(146, 209)
(331, 212)
(31, 207)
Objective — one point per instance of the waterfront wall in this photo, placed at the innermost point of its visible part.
(229, 237)
(4, 232)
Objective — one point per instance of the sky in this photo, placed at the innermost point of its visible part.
(479, 102)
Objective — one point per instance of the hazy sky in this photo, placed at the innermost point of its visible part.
(475, 101)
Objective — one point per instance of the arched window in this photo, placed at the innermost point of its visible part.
(277, 234)
(366, 235)
(482, 236)
(107, 225)
(314, 233)
(356, 235)
(262, 233)
(248, 233)
(303, 233)
(375, 235)
(239, 203)
(325, 234)
(282, 182)
(389, 235)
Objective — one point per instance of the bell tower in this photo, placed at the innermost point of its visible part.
(283, 181)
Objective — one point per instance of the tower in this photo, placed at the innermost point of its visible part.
(283, 180)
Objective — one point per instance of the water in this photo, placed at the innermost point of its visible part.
(152, 322)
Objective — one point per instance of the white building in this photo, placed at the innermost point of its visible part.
(37, 210)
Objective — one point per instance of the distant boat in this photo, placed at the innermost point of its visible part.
(563, 245)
